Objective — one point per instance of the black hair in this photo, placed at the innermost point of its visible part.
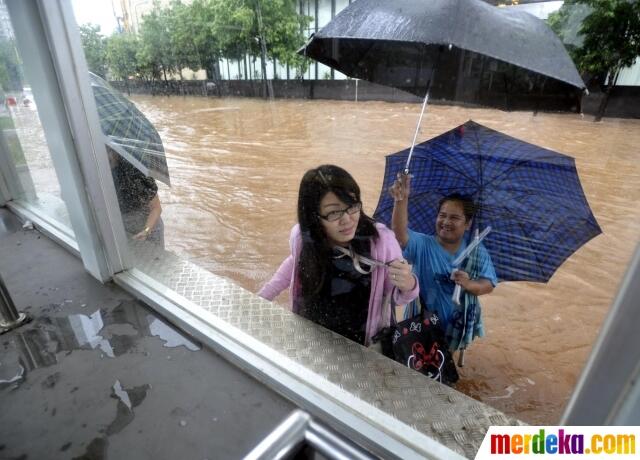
(468, 206)
(316, 252)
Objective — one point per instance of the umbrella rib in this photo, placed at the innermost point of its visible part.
(133, 141)
(434, 158)
(522, 229)
(519, 163)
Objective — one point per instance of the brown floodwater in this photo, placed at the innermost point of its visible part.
(236, 164)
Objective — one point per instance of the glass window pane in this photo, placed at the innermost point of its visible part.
(30, 170)
(236, 160)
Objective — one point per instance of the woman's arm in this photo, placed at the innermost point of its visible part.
(279, 281)
(479, 286)
(400, 216)
(399, 276)
(155, 209)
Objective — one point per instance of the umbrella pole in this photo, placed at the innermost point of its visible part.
(461, 357)
(415, 135)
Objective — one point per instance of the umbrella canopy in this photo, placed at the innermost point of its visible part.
(530, 196)
(480, 53)
(128, 132)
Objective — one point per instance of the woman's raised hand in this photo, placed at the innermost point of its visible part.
(401, 187)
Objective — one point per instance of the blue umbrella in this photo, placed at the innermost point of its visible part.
(530, 196)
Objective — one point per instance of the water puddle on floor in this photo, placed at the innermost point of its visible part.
(112, 331)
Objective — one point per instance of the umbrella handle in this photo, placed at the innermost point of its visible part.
(461, 357)
(457, 292)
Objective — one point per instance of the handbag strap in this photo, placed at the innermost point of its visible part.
(387, 311)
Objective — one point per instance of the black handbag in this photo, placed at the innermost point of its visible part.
(419, 343)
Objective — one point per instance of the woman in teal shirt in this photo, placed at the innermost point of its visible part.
(432, 255)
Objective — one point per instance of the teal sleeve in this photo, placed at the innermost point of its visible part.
(486, 266)
(411, 248)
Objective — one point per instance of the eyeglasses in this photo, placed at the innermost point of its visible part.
(337, 215)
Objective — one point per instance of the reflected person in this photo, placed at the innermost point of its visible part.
(432, 255)
(328, 281)
(138, 200)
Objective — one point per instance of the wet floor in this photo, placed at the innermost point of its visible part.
(112, 331)
(236, 165)
(97, 375)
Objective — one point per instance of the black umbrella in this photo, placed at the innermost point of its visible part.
(458, 50)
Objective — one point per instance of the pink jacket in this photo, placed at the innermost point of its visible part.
(385, 249)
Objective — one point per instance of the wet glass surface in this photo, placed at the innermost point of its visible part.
(28, 167)
(236, 163)
(229, 193)
(236, 166)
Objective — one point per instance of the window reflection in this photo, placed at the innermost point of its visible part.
(111, 332)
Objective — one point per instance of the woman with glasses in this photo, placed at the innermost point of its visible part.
(342, 264)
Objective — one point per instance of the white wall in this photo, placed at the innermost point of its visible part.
(630, 76)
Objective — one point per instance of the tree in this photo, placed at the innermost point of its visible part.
(181, 33)
(205, 41)
(270, 29)
(121, 56)
(610, 35)
(232, 24)
(10, 66)
(283, 32)
(94, 47)
(156, 55)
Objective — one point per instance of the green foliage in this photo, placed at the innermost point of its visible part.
(283, 31)
(121, 55)
(181, 32)
(197, 35)
(237, 24)
(602, 35)
(205, 39)
(94, 45)
(234, 25)
(156, 54)
(611, 36)
(558, 20)
(10, 67)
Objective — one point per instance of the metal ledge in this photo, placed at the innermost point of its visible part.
(53, 228)
(365, 424)
(388, 408)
